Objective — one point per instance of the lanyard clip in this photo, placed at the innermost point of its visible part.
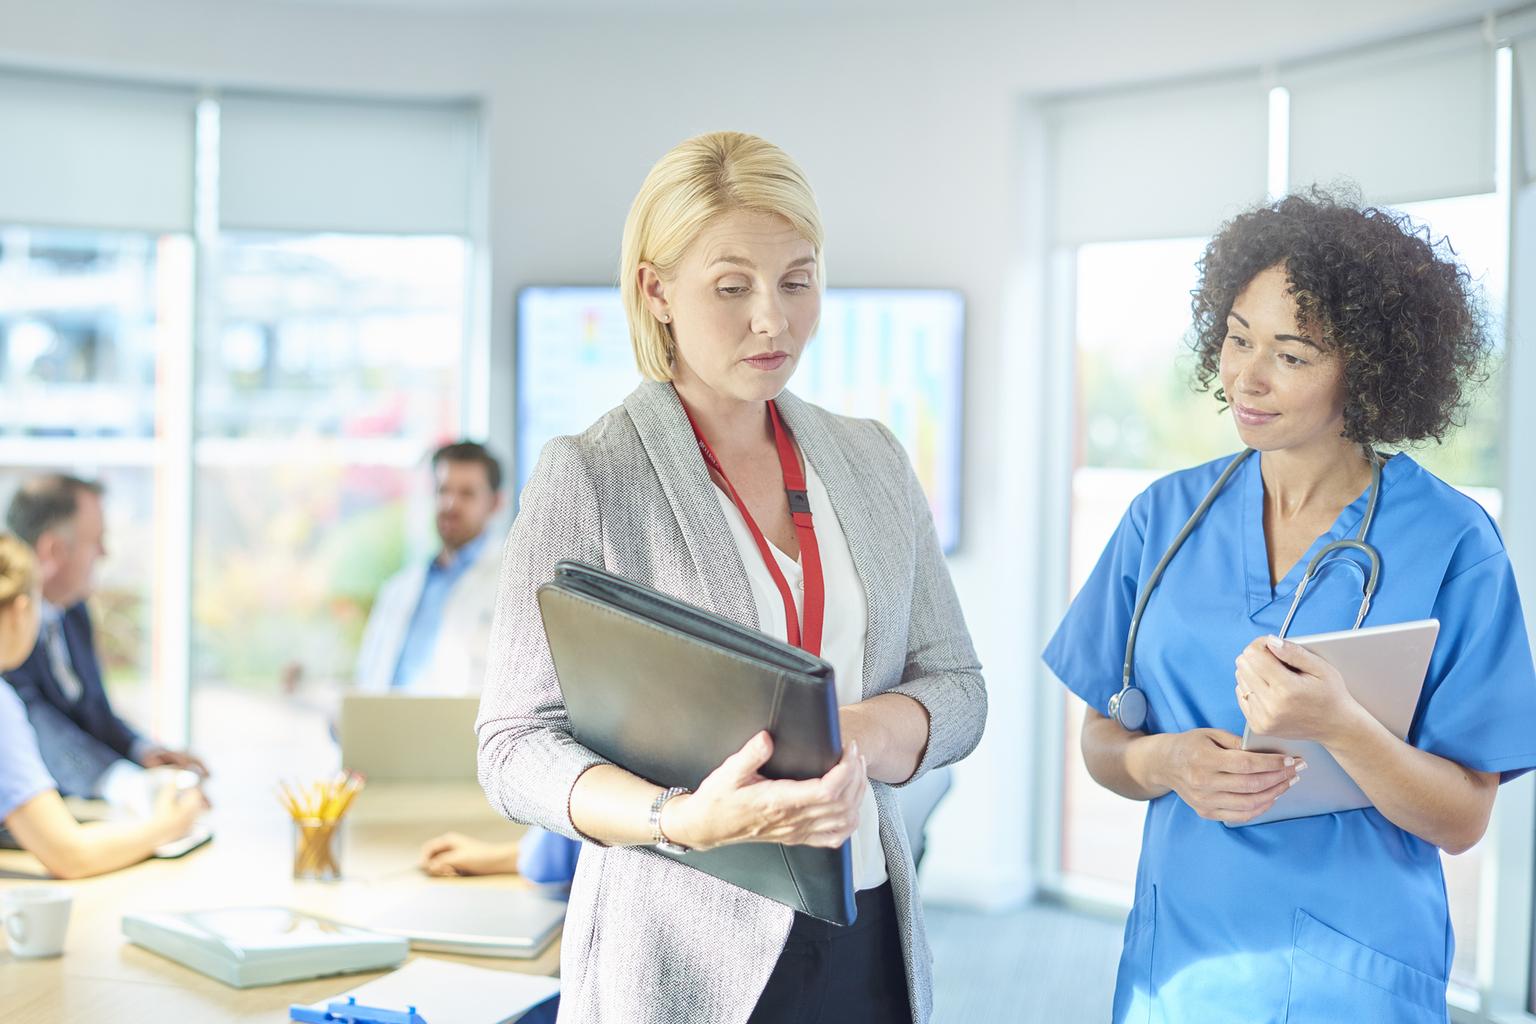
(799, 503)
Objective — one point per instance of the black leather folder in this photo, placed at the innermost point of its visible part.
(668, 691)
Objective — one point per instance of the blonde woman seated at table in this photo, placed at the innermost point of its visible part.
(30, 804)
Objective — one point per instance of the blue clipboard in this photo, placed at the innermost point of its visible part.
(350, 1012)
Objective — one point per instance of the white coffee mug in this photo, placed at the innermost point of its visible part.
(35, 919)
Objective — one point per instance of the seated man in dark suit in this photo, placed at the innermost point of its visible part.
(83, 743)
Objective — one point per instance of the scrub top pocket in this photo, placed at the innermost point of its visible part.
(1334, 978)
(1133, 983)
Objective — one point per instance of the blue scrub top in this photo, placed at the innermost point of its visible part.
(22, 775)
(547, 858)
(1337, 917)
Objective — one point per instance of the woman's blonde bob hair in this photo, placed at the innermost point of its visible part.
(18, 569)
(697, 181)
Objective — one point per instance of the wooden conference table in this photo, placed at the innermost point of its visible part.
(102, 977)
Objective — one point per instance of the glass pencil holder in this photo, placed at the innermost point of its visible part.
(317, 845)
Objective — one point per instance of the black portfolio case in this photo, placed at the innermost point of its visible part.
(668, 691)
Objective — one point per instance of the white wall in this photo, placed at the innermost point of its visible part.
(911, 131)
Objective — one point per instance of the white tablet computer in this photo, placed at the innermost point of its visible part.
(1384, 668)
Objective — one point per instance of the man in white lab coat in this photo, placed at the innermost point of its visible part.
(431, 623)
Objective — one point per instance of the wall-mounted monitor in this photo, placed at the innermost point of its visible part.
(891, 354)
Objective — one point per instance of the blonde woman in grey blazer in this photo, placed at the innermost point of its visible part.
(722, 277)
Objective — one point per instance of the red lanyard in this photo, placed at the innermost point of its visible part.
(800, 512)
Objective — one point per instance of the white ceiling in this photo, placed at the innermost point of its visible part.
(1088, 11)
(1248, 31)
(665, 8)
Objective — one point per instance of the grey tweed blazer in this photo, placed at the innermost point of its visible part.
(647, 940)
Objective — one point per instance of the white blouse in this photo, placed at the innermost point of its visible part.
(845, 622)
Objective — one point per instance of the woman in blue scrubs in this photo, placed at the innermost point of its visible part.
(1331, 332)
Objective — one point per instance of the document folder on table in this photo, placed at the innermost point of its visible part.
(668, 691)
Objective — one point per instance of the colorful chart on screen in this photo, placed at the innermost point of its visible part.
(895, 355)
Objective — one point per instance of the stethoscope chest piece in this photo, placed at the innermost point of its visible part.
(1129, 708)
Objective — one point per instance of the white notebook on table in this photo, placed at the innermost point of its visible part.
(246, 946)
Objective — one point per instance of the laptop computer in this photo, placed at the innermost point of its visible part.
(391, 737)
(476, 920)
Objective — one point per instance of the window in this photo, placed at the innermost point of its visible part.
(333, 372)
(80, 313)
(1471, 460)
(84, 316)
(334, 337)
(250, 322)
(1138, 418)
(1478, 229)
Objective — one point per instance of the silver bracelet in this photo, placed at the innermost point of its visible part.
(661, 841)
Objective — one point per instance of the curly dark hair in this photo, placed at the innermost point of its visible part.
(1393, 302)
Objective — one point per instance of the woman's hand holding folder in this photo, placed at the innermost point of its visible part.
(737, 804)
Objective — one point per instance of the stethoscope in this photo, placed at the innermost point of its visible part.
(1129, 706)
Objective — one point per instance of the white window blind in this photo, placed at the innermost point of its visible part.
(1162, 162)
(81, 153)
(1407, 121)
(289, 164)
